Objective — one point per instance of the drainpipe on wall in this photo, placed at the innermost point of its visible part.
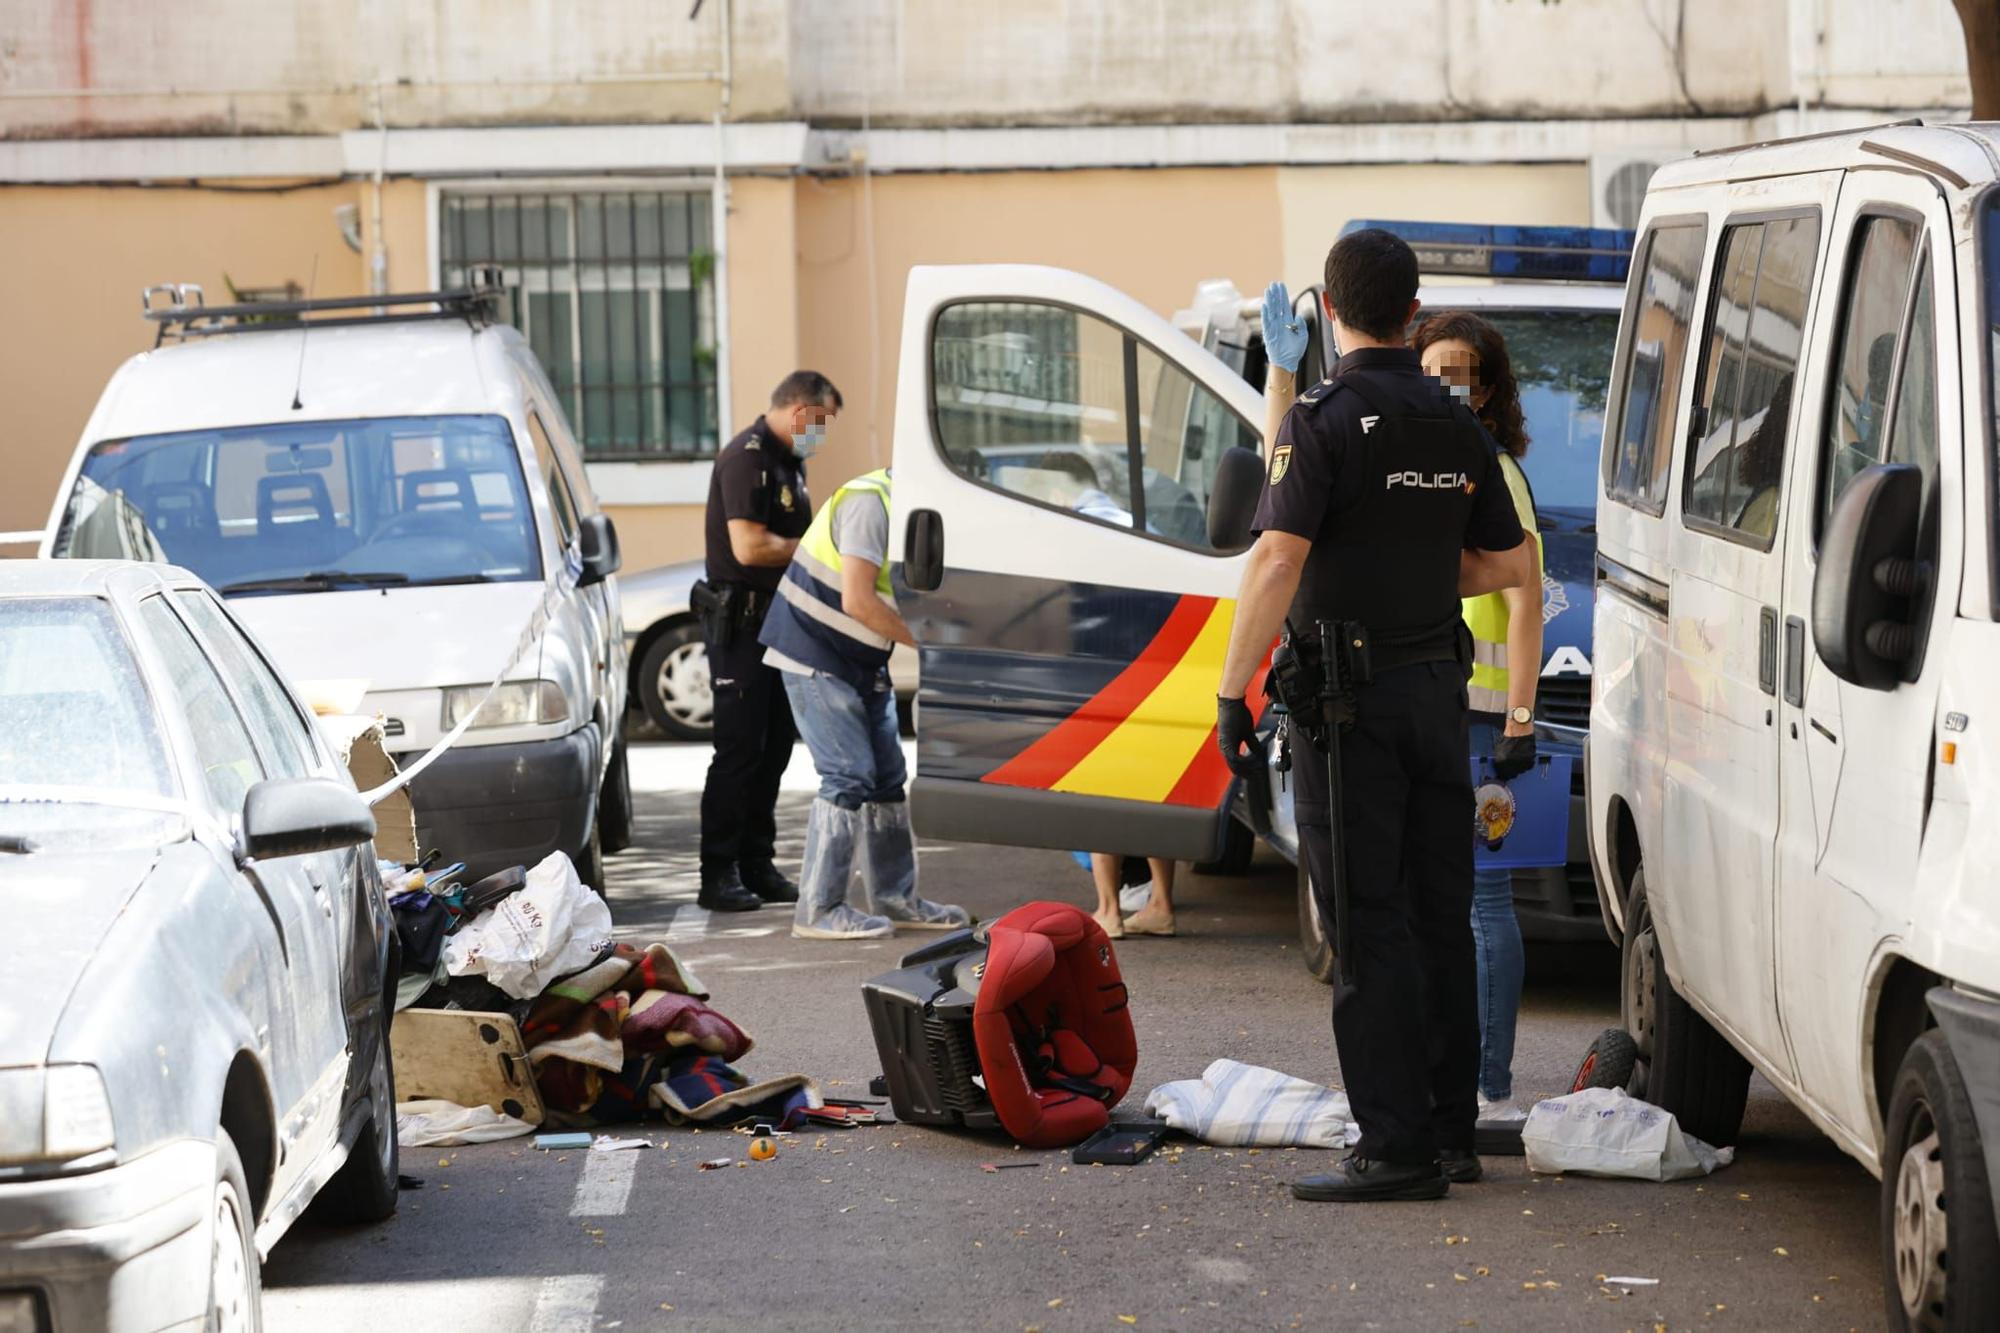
(378, 262)
(719, 233)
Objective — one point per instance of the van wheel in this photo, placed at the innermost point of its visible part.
(1239, 845)
(589, 858)
(1314, 938)
(614, 801)
(234, 1280)
(674, 684)
(1939, 1245)
(1691, 1070)
(364, 1189)
(1635, 994)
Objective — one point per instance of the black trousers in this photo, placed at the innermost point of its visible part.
(1408, 1028)
(753, 743)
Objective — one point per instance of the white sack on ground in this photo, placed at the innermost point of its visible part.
(1248, 1105)
(1603, 1132)
(435, 1124)
(548, 928)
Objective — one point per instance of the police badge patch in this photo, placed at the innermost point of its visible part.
(785, 498)
(1281, 462)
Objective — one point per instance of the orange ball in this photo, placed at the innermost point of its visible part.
(763, 1150)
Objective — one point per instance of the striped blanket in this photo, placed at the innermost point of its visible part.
(1238, 1104)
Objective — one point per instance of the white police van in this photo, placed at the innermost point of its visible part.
(1076, 477)
(1794, 817)
(387, 491)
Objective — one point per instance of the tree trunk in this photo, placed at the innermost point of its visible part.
(1981, 21)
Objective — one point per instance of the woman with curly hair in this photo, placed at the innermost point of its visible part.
(1468, 355)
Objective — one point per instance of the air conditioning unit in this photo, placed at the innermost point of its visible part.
(1618, 186)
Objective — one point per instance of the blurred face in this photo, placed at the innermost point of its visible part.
(1453, 361)
(809, 423)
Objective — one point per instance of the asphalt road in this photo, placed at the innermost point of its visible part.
(898, 1227)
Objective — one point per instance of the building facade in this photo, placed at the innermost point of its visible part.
(688, 205)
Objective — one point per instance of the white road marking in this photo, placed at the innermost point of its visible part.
(568, 1304)
(689, 923)
(605, 1185)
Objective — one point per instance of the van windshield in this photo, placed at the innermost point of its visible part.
(1562, 361)
(312, 506)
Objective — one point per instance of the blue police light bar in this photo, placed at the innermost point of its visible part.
(1468, 250)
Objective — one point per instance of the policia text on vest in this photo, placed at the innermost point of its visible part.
(1347, 532)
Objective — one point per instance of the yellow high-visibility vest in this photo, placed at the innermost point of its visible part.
(1486, 615)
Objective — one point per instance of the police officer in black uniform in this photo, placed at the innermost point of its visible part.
(758, 508)
(1384, 502)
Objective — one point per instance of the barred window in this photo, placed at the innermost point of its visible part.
(615, 291)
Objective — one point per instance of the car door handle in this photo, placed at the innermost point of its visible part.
(1795, 661)
(923, 550)
(1767, 650)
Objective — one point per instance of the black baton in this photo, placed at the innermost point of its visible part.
(1330, 700)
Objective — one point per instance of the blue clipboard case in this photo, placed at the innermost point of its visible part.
(1540, 836)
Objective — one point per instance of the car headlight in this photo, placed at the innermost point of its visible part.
(515, 704)
(55, 1113)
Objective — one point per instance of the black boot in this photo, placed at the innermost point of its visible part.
(768, 882)
(1461, 1166)
(1360, 1180)
(722, 891)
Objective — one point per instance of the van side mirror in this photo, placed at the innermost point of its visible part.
(1870, 584)
(597, 543)
(1232, 498)
(300, 816)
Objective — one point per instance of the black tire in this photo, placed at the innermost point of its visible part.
(589, 858)
(677, 657)
(363, 1191)
(614, 802)
(1608, 1063)
(241, 1284)
(1239, 845)
(1315, 940)
(1690, 1069)
(1940, 1251)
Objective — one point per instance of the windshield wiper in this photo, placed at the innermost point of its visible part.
(321, 580)
(14, 842)
(444, 579)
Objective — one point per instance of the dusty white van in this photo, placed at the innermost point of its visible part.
(387, 492)
(1794, 816)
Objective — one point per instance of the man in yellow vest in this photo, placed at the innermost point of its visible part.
(829, 632)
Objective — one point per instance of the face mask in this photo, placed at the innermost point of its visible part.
(1462, 392)
(808, 439)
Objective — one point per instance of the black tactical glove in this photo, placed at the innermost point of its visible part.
(1513, 756)
(1234, 730)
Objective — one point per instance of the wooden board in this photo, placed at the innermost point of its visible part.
(473, 1059)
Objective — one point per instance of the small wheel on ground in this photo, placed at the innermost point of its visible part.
(235, 1281)
(673, 684)
(364, 1189)
(1239, 845)
(1691, 1069)
(1315, 940)
(1608, 1063)
(614, 801)
(1939, 1246)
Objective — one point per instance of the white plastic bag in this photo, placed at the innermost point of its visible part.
(435, 1124)
(548, 928)
(1241, 1104)
(1603, 1132)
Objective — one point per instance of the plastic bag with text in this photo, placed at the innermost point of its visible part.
(548, 928)
(1604, 1132)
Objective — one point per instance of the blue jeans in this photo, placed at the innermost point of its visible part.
(1496, 942)
(855, 745)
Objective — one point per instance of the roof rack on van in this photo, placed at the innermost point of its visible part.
(1542, 254)
(1809, 138)
(183, 311)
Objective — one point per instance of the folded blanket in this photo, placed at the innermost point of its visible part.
(1238, 1104)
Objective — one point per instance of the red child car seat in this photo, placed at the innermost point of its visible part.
(1052, 1026)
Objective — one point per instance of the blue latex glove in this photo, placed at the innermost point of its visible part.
(1284, 331)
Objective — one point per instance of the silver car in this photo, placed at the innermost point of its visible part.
(194, 987)
(670, 665)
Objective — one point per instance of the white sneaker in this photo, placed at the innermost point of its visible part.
(1134, 897)
(844, 923)
(914, 913)
(1504, 1109)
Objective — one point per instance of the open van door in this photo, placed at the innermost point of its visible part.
(1057, 448)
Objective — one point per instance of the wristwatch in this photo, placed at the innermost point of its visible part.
(1520, 716)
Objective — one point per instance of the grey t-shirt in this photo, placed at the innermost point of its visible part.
(861, 529)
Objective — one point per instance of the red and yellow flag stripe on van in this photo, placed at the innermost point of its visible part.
(1149, 735)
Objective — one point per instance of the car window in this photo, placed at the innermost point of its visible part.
(1064, 409)
(1877, 296)
(1913, 425)
(1562, 362)
(1637, 454)
(1743, 405)
(561, 502)
(280, 730)
(74, 710)
(222, 743)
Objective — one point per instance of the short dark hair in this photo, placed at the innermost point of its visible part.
(806, 388)
(1371, 278)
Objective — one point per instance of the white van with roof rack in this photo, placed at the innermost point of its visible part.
(386, 490)
(1793, 813)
